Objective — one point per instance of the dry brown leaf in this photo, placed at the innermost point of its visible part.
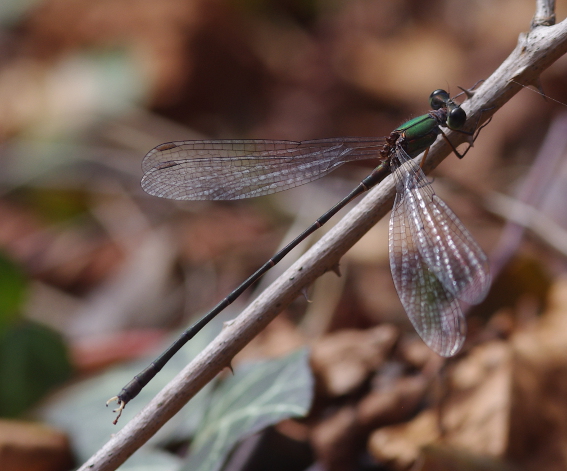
(400, 445)
(538, 417)
(338, 439)
(341, 437)
(33, 447)
(344, 360)
(440, 458)
(417, 354)
(473, 417)
(476, 414)
(392, 405)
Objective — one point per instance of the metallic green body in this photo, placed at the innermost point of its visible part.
(418, 134)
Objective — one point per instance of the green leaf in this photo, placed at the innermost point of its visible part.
(13, 290)
(258, 395)
(53, 204)
(80, 409)
(33, 359)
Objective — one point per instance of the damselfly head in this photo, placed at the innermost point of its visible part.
(456, 116)
(439, 99)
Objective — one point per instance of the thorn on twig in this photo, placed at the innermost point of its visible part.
(467, 92)
(336, 268)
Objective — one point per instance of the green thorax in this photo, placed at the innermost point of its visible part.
(418, 134)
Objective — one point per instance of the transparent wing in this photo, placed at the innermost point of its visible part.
(458, 261)
(235, 169)
(444, 243)
(434, 259)
(434, 312)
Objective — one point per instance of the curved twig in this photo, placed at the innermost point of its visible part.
(535, 51)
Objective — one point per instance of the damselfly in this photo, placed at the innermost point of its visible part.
(435, 262)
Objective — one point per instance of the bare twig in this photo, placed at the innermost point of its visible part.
(521, 215)
(523, 211)
(534, 53)
(545, 13)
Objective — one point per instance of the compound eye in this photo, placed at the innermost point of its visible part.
(456, 118)
(438, 99)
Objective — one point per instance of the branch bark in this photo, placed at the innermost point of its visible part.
(535, 51)
(545, 13)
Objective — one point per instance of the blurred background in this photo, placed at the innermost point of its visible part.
(94, 273)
